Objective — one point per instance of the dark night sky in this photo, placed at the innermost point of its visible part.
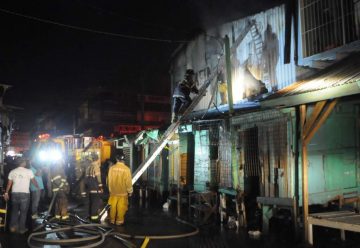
(49, 64)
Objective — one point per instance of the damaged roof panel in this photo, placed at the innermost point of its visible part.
(338, 80)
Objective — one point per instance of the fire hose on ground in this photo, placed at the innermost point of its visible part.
(96, 233)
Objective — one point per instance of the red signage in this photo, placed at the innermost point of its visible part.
(131, 129)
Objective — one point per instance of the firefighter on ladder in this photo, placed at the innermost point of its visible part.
(181, 94)
(94, 188)
(60, 188)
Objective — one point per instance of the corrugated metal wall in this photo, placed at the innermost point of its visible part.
(263, 150)
(202, 160)
(259, 56)
(174, 155)
(333, 155)
(285, 74)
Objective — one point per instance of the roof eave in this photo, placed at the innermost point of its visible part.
(314, 96)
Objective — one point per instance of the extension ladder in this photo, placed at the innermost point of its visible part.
(172, 129)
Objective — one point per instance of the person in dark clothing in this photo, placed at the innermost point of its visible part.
(60, 187)
(104, 171)
(181, 94)
(94, 187)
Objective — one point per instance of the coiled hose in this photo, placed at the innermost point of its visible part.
(98, 234)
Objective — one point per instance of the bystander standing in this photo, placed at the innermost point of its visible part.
(19, 183)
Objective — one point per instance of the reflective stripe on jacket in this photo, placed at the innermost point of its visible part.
(119, 180)
(184, 88)
(94, 171)
(93, 177)
(58, 180)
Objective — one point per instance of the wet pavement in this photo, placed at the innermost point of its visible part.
(151, 220)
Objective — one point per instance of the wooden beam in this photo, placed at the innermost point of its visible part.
(302, 116)
(305, 189)
(319, 123)
(314, 115)
(305, 193)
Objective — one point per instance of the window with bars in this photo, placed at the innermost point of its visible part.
(327, 24)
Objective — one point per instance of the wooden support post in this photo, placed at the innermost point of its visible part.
(228, 74)
(310, 235)
(321, 120)
(309, 128)
(294, 217)
(342, 233)
(305, 193)
(178, 202)
(305, 188)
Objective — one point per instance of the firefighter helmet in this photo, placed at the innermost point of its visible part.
(189, 72)
(94, 157)
(120, 156)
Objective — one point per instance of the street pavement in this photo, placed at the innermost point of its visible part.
(151, 219)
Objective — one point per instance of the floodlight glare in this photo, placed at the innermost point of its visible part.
(55, 155)
(50, 155)
(11, 153)
(43, 156)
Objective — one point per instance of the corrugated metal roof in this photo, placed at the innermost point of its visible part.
(340, 79)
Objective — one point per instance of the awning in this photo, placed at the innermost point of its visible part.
(339, 80)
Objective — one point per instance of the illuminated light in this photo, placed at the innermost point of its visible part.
(49, 155)
(11, 153)
(55, 155)
(43, 156)
(44, 136)
(238, 85)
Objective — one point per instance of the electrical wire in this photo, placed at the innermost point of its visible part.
(125, 36)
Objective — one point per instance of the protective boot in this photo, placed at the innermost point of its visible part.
(174, 118)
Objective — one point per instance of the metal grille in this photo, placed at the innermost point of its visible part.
(249, 152)
(154, 170)
(273, 155)
(225, 158)
(127, 155)
(263, 149)
(211, 144)
(327, 24)
(214, 154)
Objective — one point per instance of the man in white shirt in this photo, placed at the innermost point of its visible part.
(19, 180)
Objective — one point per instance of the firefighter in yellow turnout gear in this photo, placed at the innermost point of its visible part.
(60, 187)
(120, 187)
(94, 188)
